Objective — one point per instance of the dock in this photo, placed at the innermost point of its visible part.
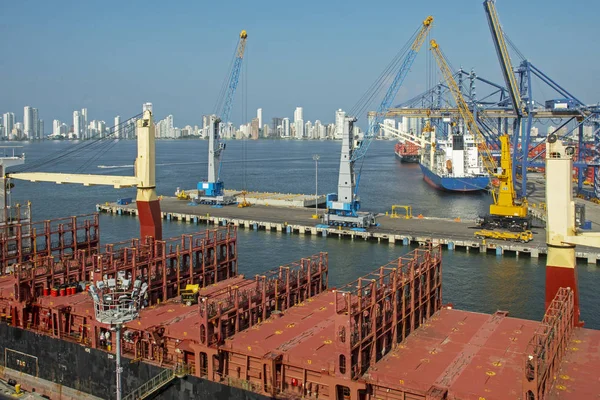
(452, 234)
(296, 200)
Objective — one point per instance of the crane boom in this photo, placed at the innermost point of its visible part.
(212, 191)
(392, 91)
(343, 207)
(488, 160)
(503, 55)
(235, 76)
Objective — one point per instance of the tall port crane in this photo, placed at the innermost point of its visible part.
(343, 207)
(212, 190)
(505, 211)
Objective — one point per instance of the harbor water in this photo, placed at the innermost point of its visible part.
(474, 282)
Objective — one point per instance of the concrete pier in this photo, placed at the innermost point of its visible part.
(453, 234)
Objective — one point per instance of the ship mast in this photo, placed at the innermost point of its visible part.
(144, 178)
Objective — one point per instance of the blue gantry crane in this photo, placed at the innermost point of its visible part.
(343, 207)
(567, 108)
(212, 190)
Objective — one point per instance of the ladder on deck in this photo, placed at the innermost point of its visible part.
(157, 382)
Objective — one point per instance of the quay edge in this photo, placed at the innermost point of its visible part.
(411, 236)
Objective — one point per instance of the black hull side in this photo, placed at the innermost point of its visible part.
(409, 159)
(93, 371)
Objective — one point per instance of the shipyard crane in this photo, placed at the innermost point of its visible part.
(343, 207)
(212, 190)
(505, 211)
(144, 178)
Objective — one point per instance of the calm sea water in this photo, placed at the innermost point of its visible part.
(472, 282)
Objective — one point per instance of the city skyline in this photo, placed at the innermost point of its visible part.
(323, 68)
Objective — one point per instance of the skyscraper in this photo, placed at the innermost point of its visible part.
(299, 122)
(118, 127)
(84, 123)
(76, 125)
(36, 124)
(254, 127)
(285, 128)
(259, 116)
(8, 123)
(28, 122)
(40, 130)
(56, 128)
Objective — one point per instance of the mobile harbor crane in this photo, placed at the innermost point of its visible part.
(343, 207)
(505, 211)
(212, 190)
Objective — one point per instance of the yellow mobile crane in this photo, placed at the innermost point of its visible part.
(505, 211)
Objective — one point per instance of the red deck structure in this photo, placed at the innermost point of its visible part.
(284, 334)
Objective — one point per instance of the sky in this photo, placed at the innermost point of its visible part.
(112, 56)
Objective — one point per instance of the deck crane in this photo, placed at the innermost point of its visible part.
(343, 207)
(144, 178)
(505, 211)
(212, 190)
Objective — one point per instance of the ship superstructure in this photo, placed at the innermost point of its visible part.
(453, 164)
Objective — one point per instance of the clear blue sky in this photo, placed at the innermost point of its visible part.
(111, 56)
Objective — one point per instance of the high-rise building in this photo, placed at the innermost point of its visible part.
(299, 122)
(40, 131)
(36, 124)
(340, 115)
(84, 124)
(266, 131)
(259, 116)
(285, 128)
(254, 128)
(388, 123)
(308, 130)
(76, 125)
(56, 128)
(298, 114)
(18, 130)
(8, 123)
(28, 122)
(117, 127)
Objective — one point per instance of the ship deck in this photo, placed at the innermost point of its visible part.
(303, 334)
(578, 374)
(476, 356)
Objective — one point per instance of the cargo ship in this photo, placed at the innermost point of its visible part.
(200, 329)
(407, 152)
(454, 165)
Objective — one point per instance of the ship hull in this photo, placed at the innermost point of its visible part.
(465, 184)
(408, 158)
(92, 371)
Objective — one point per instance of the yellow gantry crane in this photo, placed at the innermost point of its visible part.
(505, 211)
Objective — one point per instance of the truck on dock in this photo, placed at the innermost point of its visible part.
(522, 237)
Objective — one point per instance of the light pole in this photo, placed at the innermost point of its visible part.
(316, 158)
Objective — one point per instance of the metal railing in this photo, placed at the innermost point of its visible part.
(157, 382)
